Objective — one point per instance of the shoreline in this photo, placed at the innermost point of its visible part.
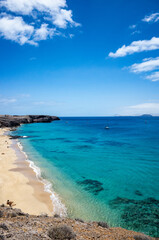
(58, 207)
(18, 181)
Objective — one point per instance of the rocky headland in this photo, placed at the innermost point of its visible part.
(17, 120)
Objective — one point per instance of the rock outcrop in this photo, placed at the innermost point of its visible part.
(16, 120)
(16, 225)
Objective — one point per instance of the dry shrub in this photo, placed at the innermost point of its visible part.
(62, 232)
(103, 224)
(141, 237)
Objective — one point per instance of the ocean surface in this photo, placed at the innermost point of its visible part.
(100, 174)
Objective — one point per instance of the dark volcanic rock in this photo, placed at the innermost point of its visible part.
(15, 120)
(15, 137)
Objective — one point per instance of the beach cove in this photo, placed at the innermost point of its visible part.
(54, 167)
(99, 174)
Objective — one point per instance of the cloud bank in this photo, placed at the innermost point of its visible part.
(143, 108)
(30, 21)
(7, 100)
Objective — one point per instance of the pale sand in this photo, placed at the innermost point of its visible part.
(18, 181)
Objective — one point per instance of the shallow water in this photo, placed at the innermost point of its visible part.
(104, 175)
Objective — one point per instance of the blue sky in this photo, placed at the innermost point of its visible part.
(86, 58)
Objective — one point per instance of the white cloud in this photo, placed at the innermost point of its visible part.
(144, 108)
(71, 35)
(132, 26)
(154, 17)
(44, 17)
(154, 77)
(7, 100)
(55, 10)
(136, 46)
(63, 17)
(15, 29)
(26, 7)
(47, 103)
(136, 32)
(149, 64)
(43, 32)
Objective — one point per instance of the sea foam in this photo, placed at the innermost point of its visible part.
(58, 207)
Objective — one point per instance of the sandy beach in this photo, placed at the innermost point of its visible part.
(18, 181)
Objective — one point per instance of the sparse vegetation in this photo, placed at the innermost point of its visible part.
(13, 214)
(2, 237)
(103, 224)
(3, 226)
(141, 237)
(61, 233)
(79, 220)
(1, 214)
(14, 224)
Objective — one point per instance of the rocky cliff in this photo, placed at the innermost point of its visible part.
(16, 120)
(16, 225)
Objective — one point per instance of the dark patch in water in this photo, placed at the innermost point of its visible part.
(61, 139)
(68, 141)
(56, 151)
(57, 139)
(139, 215)
(38, 140)
(138, 193)
(91, 140)
(113, 143)
(83, 147)
(92, 186)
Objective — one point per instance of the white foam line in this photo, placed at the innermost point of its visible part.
(58, 207)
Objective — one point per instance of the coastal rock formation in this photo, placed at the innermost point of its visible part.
(16, 120)
(16, 225)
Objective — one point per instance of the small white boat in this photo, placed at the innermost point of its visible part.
(106, 127)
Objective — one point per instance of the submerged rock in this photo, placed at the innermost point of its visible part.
(141, 215)
(138, 193)
(92, 186)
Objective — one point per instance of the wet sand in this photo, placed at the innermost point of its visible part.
(18, 182)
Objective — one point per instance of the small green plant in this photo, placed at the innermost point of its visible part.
(62, 232)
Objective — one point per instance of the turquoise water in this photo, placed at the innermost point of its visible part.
(101, 174)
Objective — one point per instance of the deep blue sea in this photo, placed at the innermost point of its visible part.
(101, 174)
